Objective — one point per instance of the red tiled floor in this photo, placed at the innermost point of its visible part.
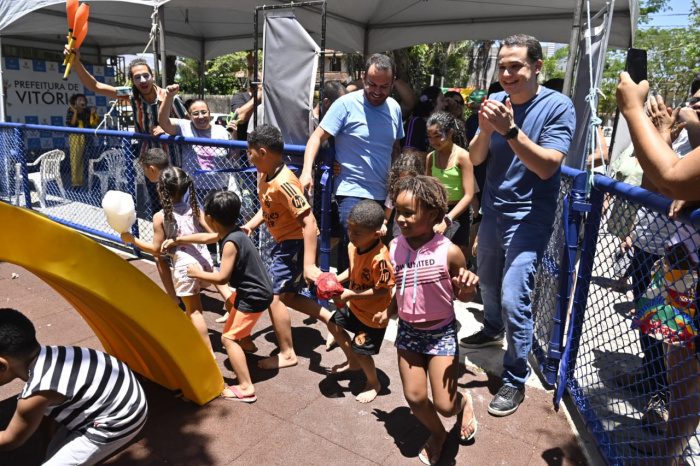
(303, 415)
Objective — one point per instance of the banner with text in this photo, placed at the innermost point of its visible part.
(36, 93)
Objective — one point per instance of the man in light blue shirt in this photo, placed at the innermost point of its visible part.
(367, 126)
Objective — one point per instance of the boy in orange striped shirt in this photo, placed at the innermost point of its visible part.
(371, 280)
(291, 222)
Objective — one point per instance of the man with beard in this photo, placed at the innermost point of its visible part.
(367, 126)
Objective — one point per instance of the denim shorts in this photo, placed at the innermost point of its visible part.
(438, 342)
(287, 265)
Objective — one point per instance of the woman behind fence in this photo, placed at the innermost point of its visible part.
(79, 115)
(677, 178)
(197, 159)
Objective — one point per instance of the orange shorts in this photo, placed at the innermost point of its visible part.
(239, 324)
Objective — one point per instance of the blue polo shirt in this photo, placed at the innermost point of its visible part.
(364, 139)
(549, 120)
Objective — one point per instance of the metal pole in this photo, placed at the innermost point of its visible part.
(255, 69)
(2, 91)
(202, 70)
(161, 46)
(156, 68)
(573, 48)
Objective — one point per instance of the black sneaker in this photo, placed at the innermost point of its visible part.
(506, 400)
(480, 339)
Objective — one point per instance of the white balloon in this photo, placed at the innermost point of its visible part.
(120, 210)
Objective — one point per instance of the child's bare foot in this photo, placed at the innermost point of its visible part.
(344, 367)
(278, 361)
(247, 344)
(432, 450)
(370, 393)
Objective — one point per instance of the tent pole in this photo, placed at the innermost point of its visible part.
(161, 46)
(2, 90)
(202, 65)
(573, 48)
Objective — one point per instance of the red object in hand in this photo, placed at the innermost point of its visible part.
(328, 286)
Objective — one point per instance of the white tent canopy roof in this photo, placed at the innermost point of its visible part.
(215, 27)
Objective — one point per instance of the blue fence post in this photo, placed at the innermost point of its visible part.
(326, 182)
(578, 313)
(22, 155)
(576, 206)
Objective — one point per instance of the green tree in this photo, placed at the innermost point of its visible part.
(219, 75)
(551, 67)
(673, 58)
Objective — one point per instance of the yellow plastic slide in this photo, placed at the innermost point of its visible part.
(133, 318)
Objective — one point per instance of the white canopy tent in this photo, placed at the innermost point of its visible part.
(210, 28)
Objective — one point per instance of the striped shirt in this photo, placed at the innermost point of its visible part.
(104, 401)
(146, 114)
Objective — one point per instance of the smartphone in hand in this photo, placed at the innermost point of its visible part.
(636, 64)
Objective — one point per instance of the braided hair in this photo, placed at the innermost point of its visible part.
(172, 186)
(408, 164)
(445, 123)
(426, 189)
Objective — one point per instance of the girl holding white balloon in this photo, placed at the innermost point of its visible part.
(178, 218)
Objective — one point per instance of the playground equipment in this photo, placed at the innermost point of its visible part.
(133, 318)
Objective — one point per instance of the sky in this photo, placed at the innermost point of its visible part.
(675, 16)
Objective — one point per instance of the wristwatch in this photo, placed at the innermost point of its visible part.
(512, 133)
(448, 220)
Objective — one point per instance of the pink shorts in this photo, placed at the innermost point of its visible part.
(184, 285)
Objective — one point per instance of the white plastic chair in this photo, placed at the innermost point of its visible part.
(114, 161)
(49, 170)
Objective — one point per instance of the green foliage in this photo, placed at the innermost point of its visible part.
(219, 76)
(673, 58)
(551, 67)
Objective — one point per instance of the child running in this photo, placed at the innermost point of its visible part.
(368, 294)
(430, 273)
(181, 218)
(153, 162)
(409, 163)
(292, 225)
(95, 398)
(243, 269)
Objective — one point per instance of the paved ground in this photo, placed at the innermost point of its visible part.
(303, 415)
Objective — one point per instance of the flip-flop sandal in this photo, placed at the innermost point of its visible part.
(424, 458)
(470, 401)
(238, 396)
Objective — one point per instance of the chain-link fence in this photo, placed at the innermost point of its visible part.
(65, 172)
(632, 366)
(554, 277)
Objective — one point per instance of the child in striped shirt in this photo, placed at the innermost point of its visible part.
(95, 398)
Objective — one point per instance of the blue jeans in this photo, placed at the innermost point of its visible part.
(345, 205)
(508, 253)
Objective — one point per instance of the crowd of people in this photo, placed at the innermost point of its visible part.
(423, 180)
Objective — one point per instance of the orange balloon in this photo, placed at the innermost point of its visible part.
(71, 9)
(80, 35)
(81, 17)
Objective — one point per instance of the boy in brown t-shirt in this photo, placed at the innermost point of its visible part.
(371, 280)
(292, 224)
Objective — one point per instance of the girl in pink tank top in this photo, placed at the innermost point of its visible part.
(430, 273)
